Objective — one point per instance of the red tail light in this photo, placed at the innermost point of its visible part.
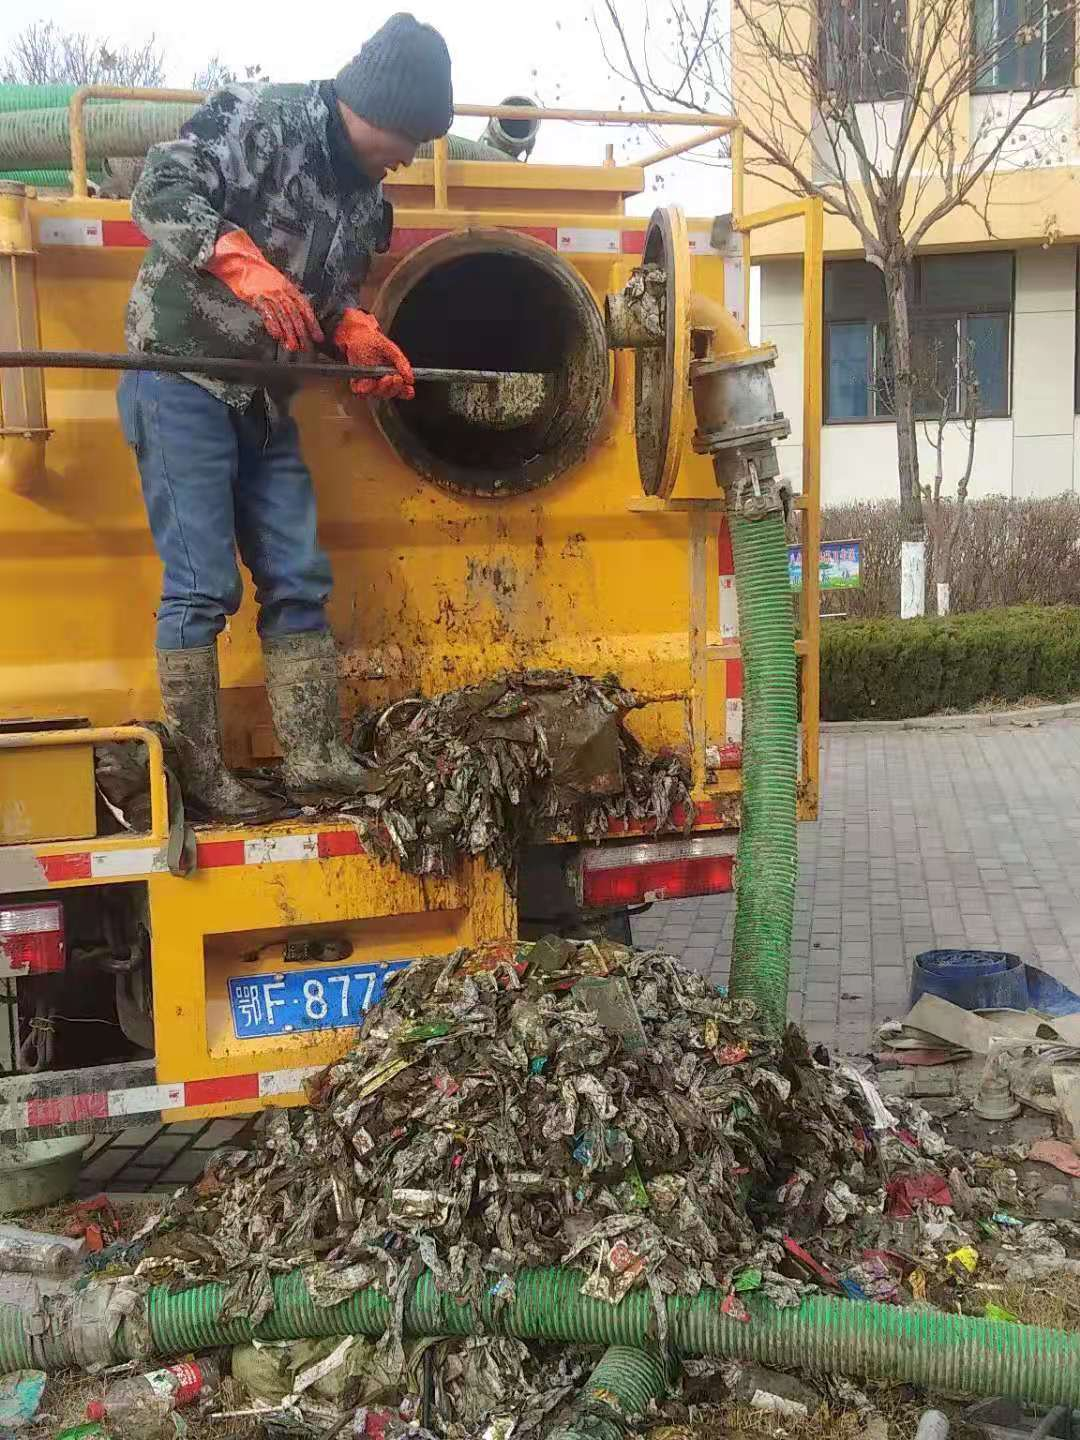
(31, 939)
(617, 875)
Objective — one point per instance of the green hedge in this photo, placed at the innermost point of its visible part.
(893, 669)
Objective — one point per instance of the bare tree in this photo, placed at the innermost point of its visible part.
(216, 74)
(867, 105)
(43, 54)
(956, 390)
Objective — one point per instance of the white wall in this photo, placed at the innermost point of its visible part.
(879, 126)
(1046, 136)
(1035, 452)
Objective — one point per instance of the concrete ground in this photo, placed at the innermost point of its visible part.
(958, 837)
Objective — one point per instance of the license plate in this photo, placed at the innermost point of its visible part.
(286, 1002)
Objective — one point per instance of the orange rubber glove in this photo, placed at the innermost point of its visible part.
(239, 263)
(360, 340)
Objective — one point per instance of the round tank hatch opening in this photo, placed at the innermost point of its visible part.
(494, 300)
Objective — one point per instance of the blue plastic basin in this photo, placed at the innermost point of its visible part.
(972, 979)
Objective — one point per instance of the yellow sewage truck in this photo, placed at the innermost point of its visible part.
(186, 974)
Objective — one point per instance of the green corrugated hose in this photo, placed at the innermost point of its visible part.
(38, 135)
(767, 860)
(46, 179)
(35, 97)
(954, 1353)
(461, 148)
(617, 1392)
(32, 138)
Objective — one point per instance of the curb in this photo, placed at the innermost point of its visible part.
(1015, 719)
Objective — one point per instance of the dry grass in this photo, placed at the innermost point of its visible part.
(898, 1406)
(1053, 1302)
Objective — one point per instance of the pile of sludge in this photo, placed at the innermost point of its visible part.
(577, 1104)
(475, 771)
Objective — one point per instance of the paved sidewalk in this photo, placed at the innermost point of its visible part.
(956, 837)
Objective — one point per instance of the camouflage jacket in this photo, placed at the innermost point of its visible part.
(275, 162)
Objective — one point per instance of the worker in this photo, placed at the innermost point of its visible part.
(262, 219)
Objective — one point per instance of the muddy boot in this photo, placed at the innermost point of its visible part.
(189, 693)
(302, 682)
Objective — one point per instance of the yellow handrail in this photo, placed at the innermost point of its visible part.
(159, 801)
(77, 104)
(718, 125)
(812, 211)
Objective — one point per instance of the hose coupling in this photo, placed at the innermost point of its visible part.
(738, 424)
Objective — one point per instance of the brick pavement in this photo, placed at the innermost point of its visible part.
(945, 837)
(950, 837)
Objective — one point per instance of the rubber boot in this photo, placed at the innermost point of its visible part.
(302, 682)
(189, 692)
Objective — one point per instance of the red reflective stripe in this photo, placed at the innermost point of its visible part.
(74, 866)
(633, 242)
(68, 1109)
(123, 233)
(338, 842)
(707, 813)
(224, 1087)
(723, 548)
(548, 235)
(733, 679)
(408, 238)
(210, 854)
(659, 880)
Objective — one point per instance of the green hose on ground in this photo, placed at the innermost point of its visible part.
(767, 862)
(954, 1353)
(617, 1393)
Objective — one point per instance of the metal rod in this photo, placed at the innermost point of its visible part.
(263, 371)
(681, 146)
(602, 117)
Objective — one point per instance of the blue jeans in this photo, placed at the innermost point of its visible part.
(217, 480)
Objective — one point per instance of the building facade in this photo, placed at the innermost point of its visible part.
(997, 307)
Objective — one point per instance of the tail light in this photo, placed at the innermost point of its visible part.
(618, 875)
(31, 939)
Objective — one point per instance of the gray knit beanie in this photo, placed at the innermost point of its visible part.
(401, 80)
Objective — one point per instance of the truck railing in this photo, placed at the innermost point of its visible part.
(718, 126)
(105, 735)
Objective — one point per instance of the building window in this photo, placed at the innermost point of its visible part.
(1023, 45)
(864, 49)
(961, 318)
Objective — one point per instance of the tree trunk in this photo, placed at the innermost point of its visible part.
(942, 571)
(912, 526)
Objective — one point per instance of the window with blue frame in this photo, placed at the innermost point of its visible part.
(961, 323)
